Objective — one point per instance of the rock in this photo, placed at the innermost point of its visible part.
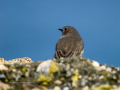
(44, 67)
(75, 73)
(58, 82)
(1, 60)
(102, 67)
(35, 89)
(2, 76)
(95, 64)
(66, 88)
(3, 67)
(57, 88)
(4, 86)
(19, 60)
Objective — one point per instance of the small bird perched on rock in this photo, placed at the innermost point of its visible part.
(69, 44)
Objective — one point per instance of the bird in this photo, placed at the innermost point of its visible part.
(69, 44)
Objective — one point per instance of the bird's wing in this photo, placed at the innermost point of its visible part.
(80, 48)
(67, 48)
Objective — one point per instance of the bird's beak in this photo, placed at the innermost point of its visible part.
(60, 29)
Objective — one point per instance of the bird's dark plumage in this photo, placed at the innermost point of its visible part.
(69, 44)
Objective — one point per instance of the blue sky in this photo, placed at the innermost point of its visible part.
(29, 28)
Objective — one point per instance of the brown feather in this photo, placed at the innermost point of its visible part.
(69, 44)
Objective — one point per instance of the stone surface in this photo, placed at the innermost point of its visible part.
(75, 73)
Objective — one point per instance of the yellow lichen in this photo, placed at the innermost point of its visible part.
(53, 67)
(103, 87)
(75, 77)
(76, 74)
(11, 67)
(6, 80)
(45, 79)
(24, 69)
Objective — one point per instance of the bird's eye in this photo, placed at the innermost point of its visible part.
(65, 29)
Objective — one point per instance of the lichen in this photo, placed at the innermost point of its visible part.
(103, 87)
(75, 78)
(53, 67)
(76, 73)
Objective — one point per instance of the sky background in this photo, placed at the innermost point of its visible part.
(29, 28)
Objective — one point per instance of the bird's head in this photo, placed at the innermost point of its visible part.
(69, 30)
